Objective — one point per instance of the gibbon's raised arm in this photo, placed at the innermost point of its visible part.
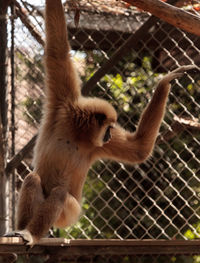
(136, 147)
(62, 80)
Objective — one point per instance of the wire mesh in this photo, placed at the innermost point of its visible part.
(159, 198)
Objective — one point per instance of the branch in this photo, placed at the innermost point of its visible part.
(16, 160)
(21, 14)
(179, 125)
(170, 14)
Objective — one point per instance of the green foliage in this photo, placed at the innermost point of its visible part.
(193, 234)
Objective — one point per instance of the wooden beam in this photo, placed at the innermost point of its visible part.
(27, 23)
(170, 14)
(16, 160)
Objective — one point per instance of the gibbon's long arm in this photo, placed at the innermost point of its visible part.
(136, 147)
(62, 80)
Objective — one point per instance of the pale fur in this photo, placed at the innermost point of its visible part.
(71, 137)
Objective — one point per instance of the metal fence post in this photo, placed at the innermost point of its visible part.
(3, 116)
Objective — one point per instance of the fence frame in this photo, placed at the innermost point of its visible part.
(63, 247)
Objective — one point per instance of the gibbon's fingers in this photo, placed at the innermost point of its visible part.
(186, 68)
(61, 77)
(177, 73)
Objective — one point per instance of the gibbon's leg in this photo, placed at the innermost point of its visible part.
(46, 214)
(136, 147)
(31, 196)
(59, 208)
(36, 215)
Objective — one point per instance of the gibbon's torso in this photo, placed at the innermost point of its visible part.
(57, 155)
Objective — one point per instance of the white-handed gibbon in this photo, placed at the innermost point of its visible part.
(75, 132)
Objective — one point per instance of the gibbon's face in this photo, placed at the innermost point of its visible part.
(97, 118)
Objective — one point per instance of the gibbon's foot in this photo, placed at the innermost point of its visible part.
(29, 240)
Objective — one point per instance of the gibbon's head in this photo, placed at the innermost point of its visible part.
(94, 121)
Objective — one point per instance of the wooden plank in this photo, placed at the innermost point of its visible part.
(101, 242)
(64, 247)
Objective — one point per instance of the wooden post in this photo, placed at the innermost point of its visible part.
(3, 115)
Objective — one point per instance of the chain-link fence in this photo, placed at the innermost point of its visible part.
(158, 199)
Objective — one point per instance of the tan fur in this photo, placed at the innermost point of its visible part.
(72, 134)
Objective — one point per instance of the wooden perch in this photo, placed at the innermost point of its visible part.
(170, 14)
(64, 250)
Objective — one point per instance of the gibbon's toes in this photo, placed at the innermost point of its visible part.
(25, 235)
(50, 234)
(28, 238)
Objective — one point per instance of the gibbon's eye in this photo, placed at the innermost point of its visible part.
(107, 135)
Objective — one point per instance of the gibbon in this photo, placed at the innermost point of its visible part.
(75, 132)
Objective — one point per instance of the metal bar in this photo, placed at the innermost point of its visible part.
(13, 110)
(3, 116)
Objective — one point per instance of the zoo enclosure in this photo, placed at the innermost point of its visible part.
(121, 53)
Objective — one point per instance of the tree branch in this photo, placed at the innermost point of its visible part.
(179, 125)
(25, 20)
(170, 14)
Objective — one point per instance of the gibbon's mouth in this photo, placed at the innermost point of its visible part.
(107, 135)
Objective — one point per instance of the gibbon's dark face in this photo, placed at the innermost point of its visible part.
(93, 119)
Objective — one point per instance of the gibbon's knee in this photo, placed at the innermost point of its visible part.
(70, 213)
(30, 196)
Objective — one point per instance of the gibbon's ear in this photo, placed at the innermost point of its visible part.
(100, 117)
